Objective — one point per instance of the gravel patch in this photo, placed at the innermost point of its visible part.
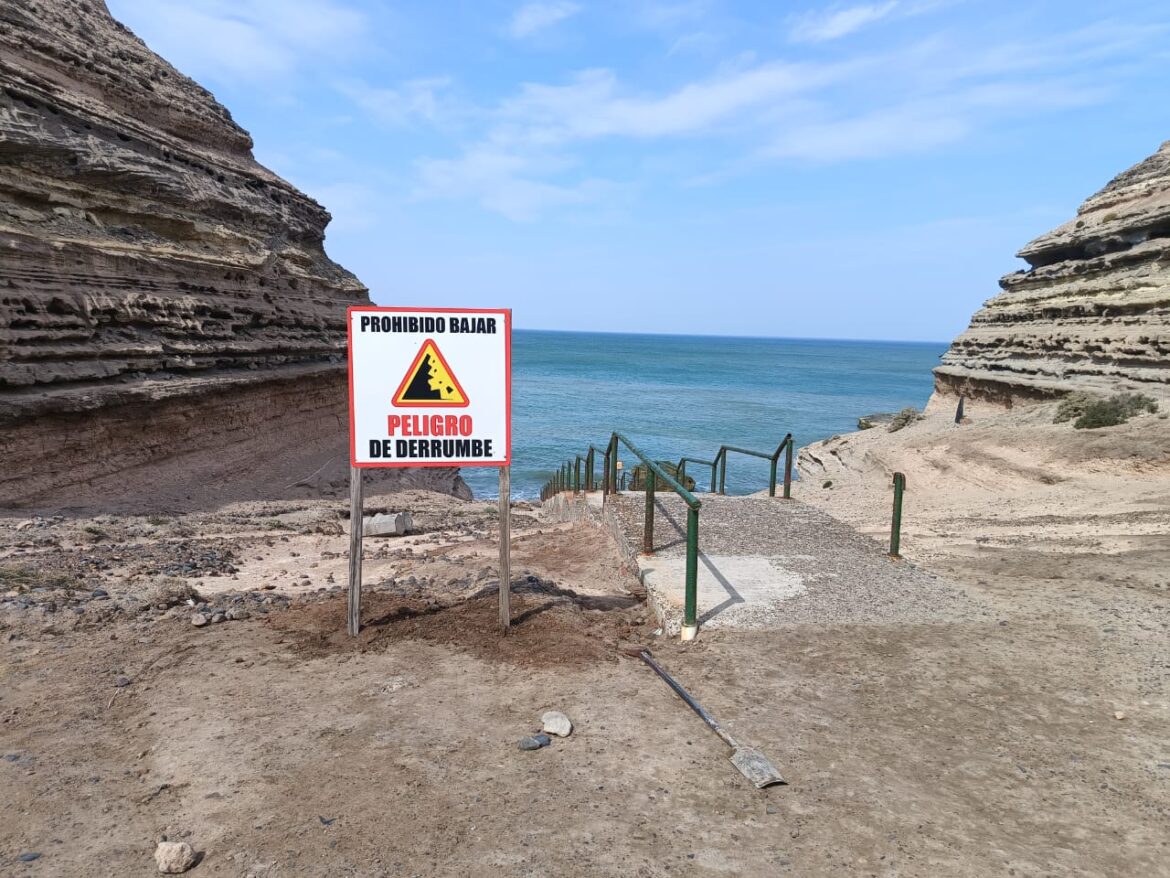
(847, 578)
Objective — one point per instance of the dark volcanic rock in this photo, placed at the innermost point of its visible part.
(1092, 313)
(167, 310)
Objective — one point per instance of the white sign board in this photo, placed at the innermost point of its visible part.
(430, 387)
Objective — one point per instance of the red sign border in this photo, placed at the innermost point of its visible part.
(401, 403)
(507, 315)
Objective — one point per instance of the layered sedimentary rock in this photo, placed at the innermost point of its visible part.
(150, 270)
(1091, 313)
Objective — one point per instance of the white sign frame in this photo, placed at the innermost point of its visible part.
(395, 352)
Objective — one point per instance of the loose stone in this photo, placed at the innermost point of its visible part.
(535, 742)
(556, 723)
(174, 857)
(199, 620)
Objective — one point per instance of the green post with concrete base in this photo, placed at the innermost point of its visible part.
(648, 532)
(690, 626)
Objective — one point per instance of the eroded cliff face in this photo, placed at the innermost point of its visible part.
(146, 261)
(1092, 313)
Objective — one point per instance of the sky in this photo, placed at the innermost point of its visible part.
(791, 169)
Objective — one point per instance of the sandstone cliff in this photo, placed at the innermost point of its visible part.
(165, 301)
(1091, 313)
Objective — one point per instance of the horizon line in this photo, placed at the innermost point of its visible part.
(729, 335)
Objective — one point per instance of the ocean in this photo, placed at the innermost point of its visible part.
(679, 395)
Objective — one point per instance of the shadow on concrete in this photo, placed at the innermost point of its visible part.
(734, 597)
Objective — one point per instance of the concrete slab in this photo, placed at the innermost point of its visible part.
(733, 591)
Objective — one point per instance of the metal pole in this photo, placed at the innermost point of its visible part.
(648, 533)
(613, 458)
(772, 479)
(589, 470)
(505, 548)
(723, 472)
(690, 626)
(714, 474)
(896, 524)
(355, 551)
(788, 469)
(577, 477)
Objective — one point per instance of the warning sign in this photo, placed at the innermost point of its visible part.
(430, 381)
(429, 387)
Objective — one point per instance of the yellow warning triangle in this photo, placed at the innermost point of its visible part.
(429, 381)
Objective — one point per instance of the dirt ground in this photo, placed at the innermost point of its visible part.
(278, 746)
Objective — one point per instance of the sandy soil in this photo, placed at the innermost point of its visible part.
(279, 747)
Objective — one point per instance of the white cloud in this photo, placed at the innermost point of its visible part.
(221, 41)
(535, 17)
(503, 181)
(593, 104)
(837, 22)
(421, 100)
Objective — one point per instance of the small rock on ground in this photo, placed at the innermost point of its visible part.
(556, 723)
(174, 857)
(199, 620)
(535, 742)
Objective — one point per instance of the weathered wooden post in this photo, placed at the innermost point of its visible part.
(505, 548)
(355, 550)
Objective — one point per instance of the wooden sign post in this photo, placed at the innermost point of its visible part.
(429, 387)
(356, 525)
(505, 548)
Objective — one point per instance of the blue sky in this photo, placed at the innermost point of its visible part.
(850, 170)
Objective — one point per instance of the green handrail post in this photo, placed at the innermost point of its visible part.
(690, 608)
(613, 462)
(654, 475)
(723, 470)
(648, 531)
(896, 523)
(788, 469)
(577, 476)
(589, 470)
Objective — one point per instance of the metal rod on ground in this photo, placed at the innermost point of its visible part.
(648, 533)
(355, 550)
(748, 761)
(896, 523)
(690, 627)
(788, 469)
(505, 548)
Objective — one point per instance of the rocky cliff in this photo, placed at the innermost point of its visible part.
(1092, 311)
(164, 299)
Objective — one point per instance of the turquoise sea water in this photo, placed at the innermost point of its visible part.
(676, 395)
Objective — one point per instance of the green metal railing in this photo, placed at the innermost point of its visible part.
(579, 474)
(568, 478)
(784, 447)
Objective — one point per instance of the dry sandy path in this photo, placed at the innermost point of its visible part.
(959, 746)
